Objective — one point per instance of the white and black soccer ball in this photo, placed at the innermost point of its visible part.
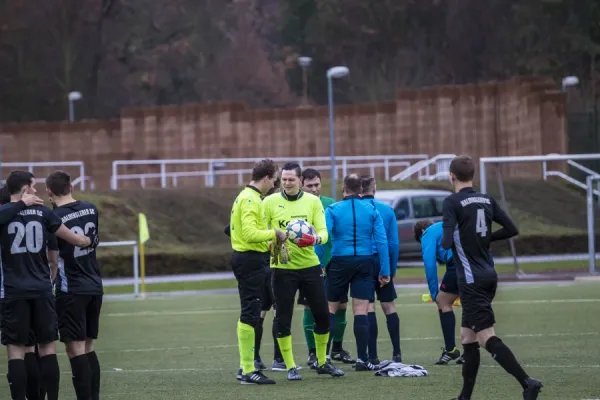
(296, 228)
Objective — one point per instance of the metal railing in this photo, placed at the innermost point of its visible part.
(209, 168)
(423, 168)
(79, 180)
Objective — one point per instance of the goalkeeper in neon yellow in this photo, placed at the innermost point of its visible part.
(311, 183)
(302, 271)
(249, 239)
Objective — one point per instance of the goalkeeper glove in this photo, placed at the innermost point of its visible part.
(309, 240)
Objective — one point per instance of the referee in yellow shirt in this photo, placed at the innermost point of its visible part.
(250, 260)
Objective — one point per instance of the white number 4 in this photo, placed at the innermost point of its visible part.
(481, 227)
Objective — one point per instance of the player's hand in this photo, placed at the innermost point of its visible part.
(92, 235)
(281, 236)
(31, 200)
(384, 280)
(308, 240)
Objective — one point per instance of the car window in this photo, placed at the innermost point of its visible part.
(427, 207)
(402, 209)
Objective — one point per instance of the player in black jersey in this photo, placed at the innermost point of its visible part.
(79, 288)
(467, 224)
(26, 300)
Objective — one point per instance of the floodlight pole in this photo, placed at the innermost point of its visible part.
(334, 72)
(591, 221)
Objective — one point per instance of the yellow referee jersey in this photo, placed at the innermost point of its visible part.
(249, 230)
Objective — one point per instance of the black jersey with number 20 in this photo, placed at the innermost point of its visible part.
(468, 217)
(24, 270)
(78, 271)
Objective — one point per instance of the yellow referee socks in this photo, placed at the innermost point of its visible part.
(321, 345)
(245, 335)
(285, 344)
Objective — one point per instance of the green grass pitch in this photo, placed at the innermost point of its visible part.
(185, 348)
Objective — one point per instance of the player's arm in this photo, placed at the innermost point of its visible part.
(393, 241)
(319, 223)
(380, 238)
(449, 222)
(53, 255)
(250, 213)
(429, 254)
(10, 210)
(55, 225)
(509, 228)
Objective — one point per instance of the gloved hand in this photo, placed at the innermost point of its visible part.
(94, 238)
(309, 240)
(284, 253)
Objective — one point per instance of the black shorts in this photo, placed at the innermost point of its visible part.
(385, 294)
(78, 316)
(28, 321)
(476, 299)
(450, 282)
(268, 301)
(250, 270)
(354, 273)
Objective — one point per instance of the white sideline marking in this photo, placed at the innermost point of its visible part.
(237, 310)
(221, 346)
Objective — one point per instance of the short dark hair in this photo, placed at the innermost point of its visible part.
(17, 180)
(352, 184)
(367, 183)
(59, 183)
(4, 196)
(277, 183)
(291, 166)
(264, 168)
(310, 173)
(420, 227)
(463, 168)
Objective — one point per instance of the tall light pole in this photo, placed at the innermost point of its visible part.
(333, 72)
(304, 62)
(73, 97)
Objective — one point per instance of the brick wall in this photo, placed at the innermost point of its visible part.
(521, 116)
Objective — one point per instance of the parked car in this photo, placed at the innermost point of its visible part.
(411, 206)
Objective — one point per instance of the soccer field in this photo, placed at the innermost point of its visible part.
(185, 348)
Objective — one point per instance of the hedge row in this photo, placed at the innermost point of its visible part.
(219, 261)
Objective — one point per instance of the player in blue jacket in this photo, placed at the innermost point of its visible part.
(355, 227)
(385, 294)
(429, 234)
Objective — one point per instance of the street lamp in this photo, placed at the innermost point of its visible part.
(569, 81)
(73, 97)
(334, 72)
(304, 62)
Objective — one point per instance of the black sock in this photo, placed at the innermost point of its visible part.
(331, 325)
(82, 377)
(276, 350)
(50, 375)
(336, 346)
(95, 369)
(33, 376)
(373, 333)
(503, 356)
(258, 333)
(17, 379)
(448, 321)
(361, 333)
(393, 325)
(469, 369)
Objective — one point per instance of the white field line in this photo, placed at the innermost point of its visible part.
(236, 310)
(404, 339)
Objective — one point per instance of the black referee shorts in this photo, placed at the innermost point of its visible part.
(267, 300)
(476, 299)
(24, 320)
(250, 270)
(286, 282)
(78, 316)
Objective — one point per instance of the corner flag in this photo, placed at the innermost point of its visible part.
(144, 237)
(144, 233)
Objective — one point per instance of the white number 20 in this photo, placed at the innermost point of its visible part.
(32, 232)
(76, 229)
(481, 227)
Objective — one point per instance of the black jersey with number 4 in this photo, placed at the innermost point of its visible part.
(468, 217)
(78, 271)
(24, 270)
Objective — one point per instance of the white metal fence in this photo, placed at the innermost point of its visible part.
(209, 168)
(31, 166)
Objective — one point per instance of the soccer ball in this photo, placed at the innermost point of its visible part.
(296, 228)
